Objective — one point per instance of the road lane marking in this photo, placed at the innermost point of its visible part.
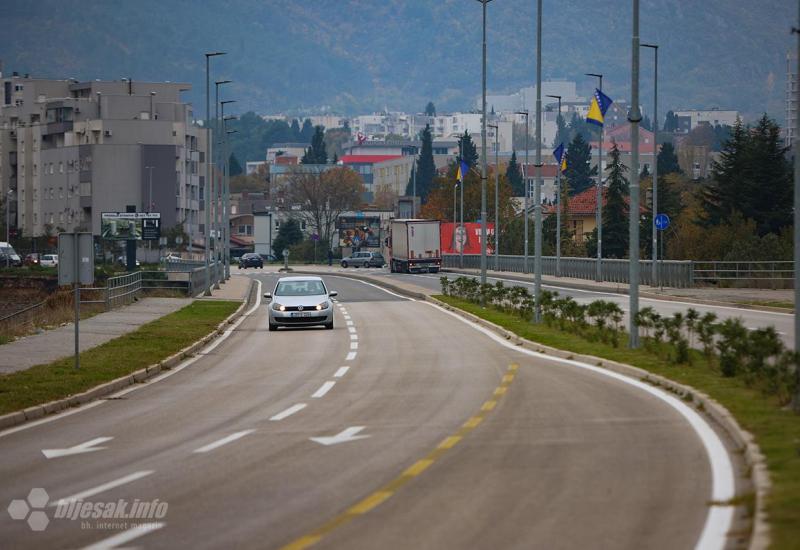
(347, 317)
(352, 330)
(489, 405)
(501, 390)
(508, 378)
(350, 324)
(288, 412)
(341, 372)
(719, 518)
(350, 356)
(126, 536)
(224, 441)
(130, 478)
(345, 436)
(353, 345)
(171, 372)
(385, 492)
(323, 389)
(375, 286)
(86, 447)
(354, 336)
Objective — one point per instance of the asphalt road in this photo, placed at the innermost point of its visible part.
(752, 319)
(469, 444)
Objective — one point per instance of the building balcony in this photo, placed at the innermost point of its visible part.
(57, 128)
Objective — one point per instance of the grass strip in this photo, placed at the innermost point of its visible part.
(151, 343)
(777, 430)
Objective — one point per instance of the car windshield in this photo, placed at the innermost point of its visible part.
(299, 288)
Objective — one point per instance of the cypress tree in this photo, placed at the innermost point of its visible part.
(316, 154)
(425, 168)
(514, 176)
(668, 160)
(468, 150)
(615, 212)
(579, 169)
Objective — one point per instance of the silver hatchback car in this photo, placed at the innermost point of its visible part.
(300, 301)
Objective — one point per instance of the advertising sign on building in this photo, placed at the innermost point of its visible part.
(453, 239)
(362, 231)
(130, 226)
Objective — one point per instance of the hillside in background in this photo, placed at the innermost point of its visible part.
(361, 55)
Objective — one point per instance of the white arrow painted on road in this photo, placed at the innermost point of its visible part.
(87, 447)
(344, 436)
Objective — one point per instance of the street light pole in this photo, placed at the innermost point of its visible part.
(654, 266)
(558, 198)
(483, 152)
(796, 145)
(218, 165)
(496, 196)
(8, 224)
(599, 211)
(225, 244)
(460, 235)
(537, 206)
(150, 199)
(207, 193)
(634, 117)
(226, 195)
(414, 188)
(525, 177)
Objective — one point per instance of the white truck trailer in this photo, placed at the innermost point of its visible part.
(415, 246)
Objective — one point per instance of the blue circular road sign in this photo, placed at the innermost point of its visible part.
(662, 222)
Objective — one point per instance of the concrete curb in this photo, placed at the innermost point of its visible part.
(40, 411)
(623, 289)
(743, 440)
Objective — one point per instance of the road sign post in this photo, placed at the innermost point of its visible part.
(662, 223)
(76, 267)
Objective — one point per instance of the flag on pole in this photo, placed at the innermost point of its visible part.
(462, 170)
(561, 157)
(597, 110)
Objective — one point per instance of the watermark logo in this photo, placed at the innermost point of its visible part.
(31, 509)
(110, 515)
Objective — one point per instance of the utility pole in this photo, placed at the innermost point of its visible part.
(483, 152)
(527, 188)
(599, 212)
(537, 194)
(558, 198)
(634, 117)
(461, 192)
(654, 266)
(207, 193)
(796, 145)
(414, 188)
(496, 128)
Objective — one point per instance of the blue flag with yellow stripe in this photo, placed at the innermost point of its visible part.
(561, 156)
(461, 172)
(597, 110)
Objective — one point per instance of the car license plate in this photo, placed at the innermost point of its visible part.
(301, 314)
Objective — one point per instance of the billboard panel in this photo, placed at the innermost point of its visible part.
(453, 239)
(130, 226)
(361, 231)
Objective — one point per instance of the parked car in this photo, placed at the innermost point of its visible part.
(269, 257)
(251, 259)
(32, 259)
(364, 259)
(300, 301)
(49, 260)
(8, 256)
(123, 261)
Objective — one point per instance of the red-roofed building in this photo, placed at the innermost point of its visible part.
(581, 212)
(621, 136)
(363, 165)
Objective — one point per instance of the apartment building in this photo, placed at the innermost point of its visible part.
(71, 150)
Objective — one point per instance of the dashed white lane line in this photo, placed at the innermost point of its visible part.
(126, 536)
(353, 345)
(349, 323)
(354, 336)
(341, 372)
(297, 407)
(104, 487)
(351, 356)
(352, 330)
(224, 441)
(347, 317)
(323, 389)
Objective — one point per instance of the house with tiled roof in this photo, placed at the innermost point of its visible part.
(581, 212)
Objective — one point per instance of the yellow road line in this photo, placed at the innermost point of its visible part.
(381, 495)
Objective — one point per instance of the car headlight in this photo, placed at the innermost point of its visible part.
(323, 305)
(278, 307)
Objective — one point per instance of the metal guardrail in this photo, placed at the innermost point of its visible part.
(123, 289)
(183, 265)
(672, 273)
(715, 271)
(22, 316)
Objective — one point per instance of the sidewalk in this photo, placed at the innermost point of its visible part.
(57, 343)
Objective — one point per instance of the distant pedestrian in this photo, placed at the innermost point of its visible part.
(330, 257)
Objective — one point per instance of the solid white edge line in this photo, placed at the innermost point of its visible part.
(341, 372)
(126, 536)
(150, 381)
(323, 389)
(350, 356)
(104, 487)
(224, 441)
(297, 407)
(720, 518)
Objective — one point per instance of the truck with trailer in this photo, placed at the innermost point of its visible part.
(415, 246)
